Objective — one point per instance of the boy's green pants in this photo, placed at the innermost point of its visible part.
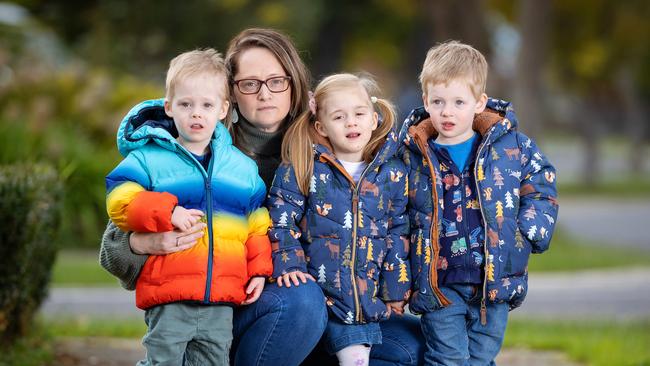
(189, 333)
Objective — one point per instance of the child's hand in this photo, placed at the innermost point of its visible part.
(183, 219)
(254, 290)
(396, 307)
(294, 277)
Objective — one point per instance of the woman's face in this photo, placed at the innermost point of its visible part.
(265, 110)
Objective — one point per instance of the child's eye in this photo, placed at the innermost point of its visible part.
(436, 102)
(460, 102)
(185, 104)
(207, 105)
(360, 114)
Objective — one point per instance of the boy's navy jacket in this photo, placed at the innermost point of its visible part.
(352, 238)
(516, 196)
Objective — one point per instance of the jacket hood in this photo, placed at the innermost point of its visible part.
(147, 122)
(497, 118)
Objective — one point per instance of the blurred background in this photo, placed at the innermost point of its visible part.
(577, 71)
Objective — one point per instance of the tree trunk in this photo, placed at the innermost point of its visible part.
(528, 87)
(635, 120)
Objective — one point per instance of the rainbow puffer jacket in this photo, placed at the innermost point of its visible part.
(516, 195)
(156, 175)
(352, 238)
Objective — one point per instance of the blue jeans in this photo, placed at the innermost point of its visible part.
(402, 345)
(281, 327)
(339, 335)
(454, 334)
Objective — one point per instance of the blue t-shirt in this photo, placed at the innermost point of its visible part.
(459, 153)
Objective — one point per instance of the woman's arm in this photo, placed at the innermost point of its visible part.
(123, 254)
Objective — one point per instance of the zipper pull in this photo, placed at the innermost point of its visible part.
(355, 203)
(483, 312)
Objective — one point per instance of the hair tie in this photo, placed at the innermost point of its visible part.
(373, 100)
(312, 103)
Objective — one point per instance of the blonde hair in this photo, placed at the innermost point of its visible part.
(297, 145)
(281, 46)
(194, 63)
(453, 60)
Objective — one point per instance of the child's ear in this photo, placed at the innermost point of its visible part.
(424, 102)
(224, 110)
(319, 128)
(481, 103)
(168, 108)
(375, 120)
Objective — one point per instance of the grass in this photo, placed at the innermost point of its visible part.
(594, 343)
(80, 268)
(628, 188)
(570, 254)
(35, 349)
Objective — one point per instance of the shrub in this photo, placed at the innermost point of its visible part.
(30, 197)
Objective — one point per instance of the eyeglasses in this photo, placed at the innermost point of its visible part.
(276, 84)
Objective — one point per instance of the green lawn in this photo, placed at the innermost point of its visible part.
(594, 343)
(80, 268)
(571, 254)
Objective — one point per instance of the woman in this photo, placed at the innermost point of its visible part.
(269, 87)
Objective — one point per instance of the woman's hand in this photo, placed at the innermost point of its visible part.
(296, 277)
(254, 290)
(167, 242)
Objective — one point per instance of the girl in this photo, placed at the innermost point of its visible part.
(338, 208)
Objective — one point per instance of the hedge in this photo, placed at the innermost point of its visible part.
(30, 201)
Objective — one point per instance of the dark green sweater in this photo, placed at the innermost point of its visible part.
(263, 147)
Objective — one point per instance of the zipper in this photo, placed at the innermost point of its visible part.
(433, 233)
(355, 212)
(485, 247)
(208, 189)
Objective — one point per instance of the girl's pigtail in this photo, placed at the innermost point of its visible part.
(387, 112)
(297, 149)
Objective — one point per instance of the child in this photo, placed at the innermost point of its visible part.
(181, 167)
(481, 199)
(338, 208)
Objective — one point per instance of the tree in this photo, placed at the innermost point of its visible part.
(312, 184)
(347, 255)
(497, 177)
(347, 220)
(369, 256)
(427, 253)
(489, 269)
(283, 219)
(403, 275)
(530, 213)
(531, 232)
(418, 247)
(495, 155)
(499, 214)
(509, 203)
(321, 274)
(480, 176)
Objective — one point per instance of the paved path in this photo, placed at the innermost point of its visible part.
(620, 222)
(576, 295)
